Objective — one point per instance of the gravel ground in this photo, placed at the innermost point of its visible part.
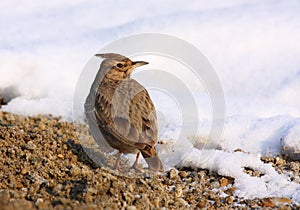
(43, 166)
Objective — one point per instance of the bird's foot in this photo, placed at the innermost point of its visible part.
(117, 164)
(116, 167)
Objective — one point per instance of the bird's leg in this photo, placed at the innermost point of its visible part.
(117, 164)
(135, 165)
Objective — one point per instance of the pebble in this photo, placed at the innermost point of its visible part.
(60, 156)
(202, 204)
(268, 203)
(224, 182)
(173, 174)
(183, 202)
(215, 184)
(280, 161)
(183, 174)
(30, 145)
(92, 191)
(88, 197)
(178, 191)
(131, 208)
(25, 170)
(230, 199)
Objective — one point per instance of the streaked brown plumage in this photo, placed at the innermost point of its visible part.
(124, 111)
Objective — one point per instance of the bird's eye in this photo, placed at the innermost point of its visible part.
(119, 65)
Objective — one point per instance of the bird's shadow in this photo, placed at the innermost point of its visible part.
(87, 155)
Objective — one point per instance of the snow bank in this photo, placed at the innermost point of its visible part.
(233, 163)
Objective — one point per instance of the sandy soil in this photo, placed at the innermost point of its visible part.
(44, 166)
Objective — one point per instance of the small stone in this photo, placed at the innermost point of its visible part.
(42, 126)
(25, 170)
(156, 202)
(60, 156)
(88, 197)
(215, 184)
(137, 196)
(280, 161)
(11, 151)
(75, 170)
(183, 174)
(178, 191)
(131, 208)
(268, 203)
(224, 182)
(183, 202)
(202, 175)
(30, 146)
(128, 197)
(130, 188)
(188, 180)
(39, 200)
(92, 191)
(58, 187)
(24, 189)
(173, 174)
(230, 199)
(202, 203)
(145, 201)
(231, 190)
(190, 197)
(19, 185)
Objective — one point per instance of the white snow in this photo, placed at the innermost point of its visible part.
(233, 163)
(253, 45)
(292, 139)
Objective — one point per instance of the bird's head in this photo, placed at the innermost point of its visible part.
(118, 67)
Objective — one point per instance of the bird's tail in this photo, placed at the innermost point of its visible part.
(152, 159)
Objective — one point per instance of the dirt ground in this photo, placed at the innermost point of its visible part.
(44, 166)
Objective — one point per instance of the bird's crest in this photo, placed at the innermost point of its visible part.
(111, 56)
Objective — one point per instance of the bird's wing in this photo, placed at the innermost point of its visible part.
(143, 117)
(128, 114)
(107, 100)
(144, 122)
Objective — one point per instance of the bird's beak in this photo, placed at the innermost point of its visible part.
(139, 63)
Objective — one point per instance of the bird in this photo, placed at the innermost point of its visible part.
(123, 111)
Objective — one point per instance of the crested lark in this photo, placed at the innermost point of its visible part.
(124, 112)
